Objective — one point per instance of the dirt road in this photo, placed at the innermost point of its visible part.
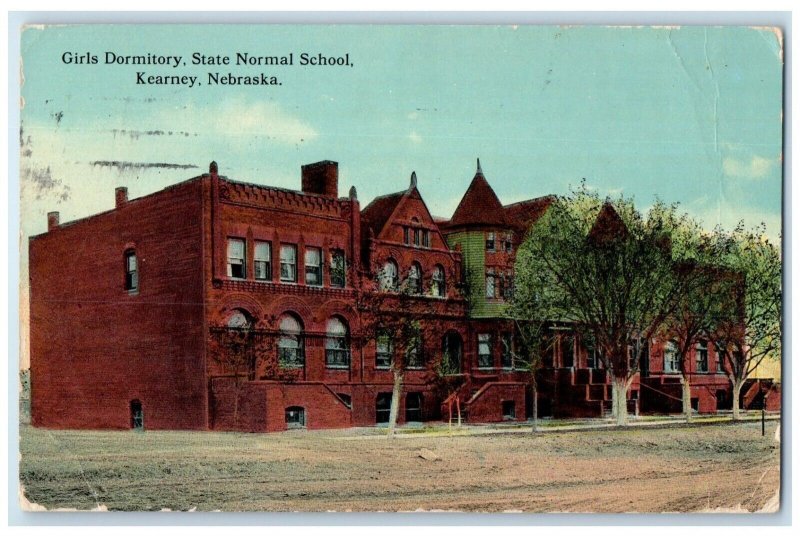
(679, 469)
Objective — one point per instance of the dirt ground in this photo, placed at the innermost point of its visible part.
(635, 470)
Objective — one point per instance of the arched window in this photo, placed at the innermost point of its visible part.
(671, 364)
(337, 353)
(438, 282)
(131, 272)
(415, 279)
(388, 276)
(238, 320)
(290, 344)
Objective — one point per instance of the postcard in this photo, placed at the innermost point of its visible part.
(363, 268)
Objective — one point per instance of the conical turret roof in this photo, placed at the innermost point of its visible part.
(479, 206)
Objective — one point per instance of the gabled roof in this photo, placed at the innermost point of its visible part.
(608, 226)
(379, 210)
(523, 214)
(479, 206)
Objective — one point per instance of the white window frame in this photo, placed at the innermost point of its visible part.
(291, 264)
(260, 260)
(237, 258)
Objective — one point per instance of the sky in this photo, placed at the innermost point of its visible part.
(690, 115)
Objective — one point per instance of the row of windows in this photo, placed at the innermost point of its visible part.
(507, 354)
(417, 236)
(499, 284)
(499, 242)
(291, 344)
(389, 280)
(672, 360)
(262, 263)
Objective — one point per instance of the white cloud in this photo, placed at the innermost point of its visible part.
(756, 168)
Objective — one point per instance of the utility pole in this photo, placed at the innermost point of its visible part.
(763, 407)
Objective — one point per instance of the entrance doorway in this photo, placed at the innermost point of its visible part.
(137, 415)
(451, 353)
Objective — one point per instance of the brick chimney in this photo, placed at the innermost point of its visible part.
(52, 220)
(121, 194)
(321, 178)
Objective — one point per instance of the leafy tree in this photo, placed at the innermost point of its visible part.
(607, 270)
(706, 294)
(753, 334)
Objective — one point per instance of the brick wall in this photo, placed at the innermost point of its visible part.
(95, 347)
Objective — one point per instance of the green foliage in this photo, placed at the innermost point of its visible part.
(604, 268)
(755, 334)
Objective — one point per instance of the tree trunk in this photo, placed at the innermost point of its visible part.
(394, 409)
(735, 395)
(619, 400)
(535, 404)
(686, 397)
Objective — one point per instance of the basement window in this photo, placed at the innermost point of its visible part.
(346, 399)
(295, 417)
(509, 410)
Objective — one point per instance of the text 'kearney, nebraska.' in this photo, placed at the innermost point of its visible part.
(214, 79)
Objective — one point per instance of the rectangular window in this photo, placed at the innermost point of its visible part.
(406, 239)
(338, 269)
(491, 284)
(263, 261)
(131, 272)
(507, 358)
(567, 351)
(720, 352)
(485, 351)
(236, 259)
(414, 359)
(383, 351)
(701, 357)
(507, 286)
(592, 357)
(490, 241)
(507, 244)
(313, 262)
(426, 238)
(416, 237)
(671, 362)
(288, 263)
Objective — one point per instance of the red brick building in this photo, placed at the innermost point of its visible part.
(130, 309)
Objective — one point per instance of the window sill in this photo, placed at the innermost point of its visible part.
(337, 367)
